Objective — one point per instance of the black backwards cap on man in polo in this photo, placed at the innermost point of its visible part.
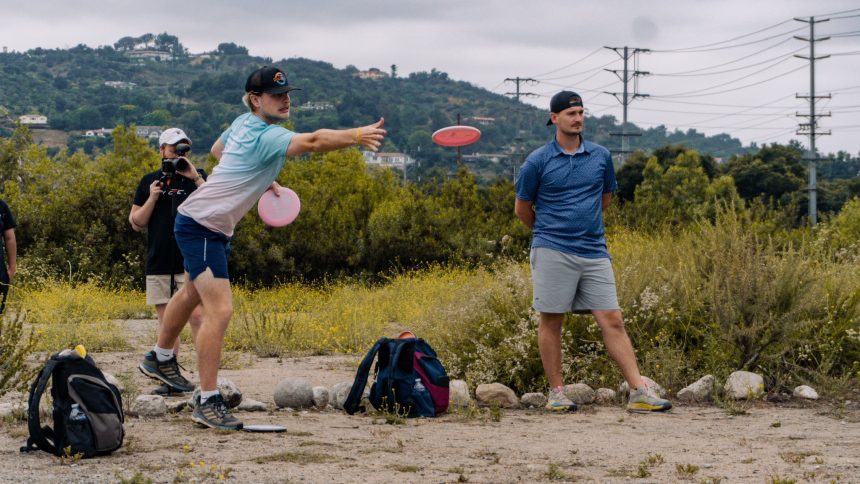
(562, 101)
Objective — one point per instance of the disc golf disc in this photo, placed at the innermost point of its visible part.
(264, 428)
(456, 136)
(278, 211)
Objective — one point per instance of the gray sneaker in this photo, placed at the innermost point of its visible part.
(214, 413)
(557, 401)
(643, 400)
(166, 372)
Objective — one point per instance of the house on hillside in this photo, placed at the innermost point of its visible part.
(120, 84)
(315, 106)
(148, 54)
(34, 120)
(150, 132)
(100, 133)
(372, 73)
(383, 159)
(486, 121)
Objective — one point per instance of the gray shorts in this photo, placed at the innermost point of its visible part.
(158, 288)
(565, 282)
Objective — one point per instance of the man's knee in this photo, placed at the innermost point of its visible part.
(610, 321)
(196, 318)
(222, 312)
(551, 321)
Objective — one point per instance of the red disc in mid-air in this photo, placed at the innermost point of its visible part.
(456, 136)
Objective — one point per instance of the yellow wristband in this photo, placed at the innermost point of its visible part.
(358, 136)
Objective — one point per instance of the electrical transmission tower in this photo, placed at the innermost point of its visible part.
(809, 128)
(518, 138)
(626, 98)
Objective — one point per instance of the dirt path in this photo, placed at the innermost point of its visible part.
(818, 443)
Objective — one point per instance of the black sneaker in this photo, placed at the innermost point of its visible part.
(214, 413)
(165, 371)
(165, 390)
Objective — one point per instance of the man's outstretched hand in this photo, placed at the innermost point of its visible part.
(371, 136)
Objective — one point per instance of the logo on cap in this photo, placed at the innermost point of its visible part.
(280, 79)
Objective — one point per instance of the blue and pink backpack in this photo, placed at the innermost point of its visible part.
(409, 379)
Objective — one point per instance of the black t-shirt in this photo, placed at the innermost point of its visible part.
(7, 221)
(160, 243)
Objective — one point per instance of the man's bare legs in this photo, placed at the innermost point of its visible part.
(549, 344)
(194, 322)
(216, 298)
(618, 345)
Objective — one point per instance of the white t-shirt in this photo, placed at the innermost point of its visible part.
(254, 153)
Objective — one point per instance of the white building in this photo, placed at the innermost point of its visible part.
(147, 54)
(152, 132)
(120, 84)
(397, 160)
(101, 132)
(372, 73)
(33, 120)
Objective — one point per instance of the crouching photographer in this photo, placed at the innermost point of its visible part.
(156, 200)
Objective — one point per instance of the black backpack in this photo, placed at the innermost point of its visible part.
(87, 409)
(410, 379)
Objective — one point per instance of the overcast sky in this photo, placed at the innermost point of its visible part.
(745, 86)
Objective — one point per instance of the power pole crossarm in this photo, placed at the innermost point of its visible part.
(625, 97)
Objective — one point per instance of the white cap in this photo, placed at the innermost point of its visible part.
(171, 136)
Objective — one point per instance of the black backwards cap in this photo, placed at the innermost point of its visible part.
(562, 101)
(268, 79)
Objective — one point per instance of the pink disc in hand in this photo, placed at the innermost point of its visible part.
(278, 211)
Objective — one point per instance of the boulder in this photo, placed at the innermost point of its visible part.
(699, 391)
(320, 397)
(741, 385)
(249, 405)
(496, 393)
(806, 392)
(149, 406)
(605, 396)
(533, 400)
(339, 392)
(459, 394)
(294, 392)
(579, 393)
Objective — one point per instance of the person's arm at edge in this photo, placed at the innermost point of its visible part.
(605, 201)
(524, 210)
(11, 252)
(217, 149)
(323, 140)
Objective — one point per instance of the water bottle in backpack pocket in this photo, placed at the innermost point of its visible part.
(79, 434)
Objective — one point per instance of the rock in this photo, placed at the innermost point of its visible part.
(229, 392)
(13, 410)
(249, 405)
(294, 392)
(533, 400)
(178, 406)
(149, 406)
(579, 393)
(490, 393)
(624, 388)
(339, 392)
(806, 392)
(459, 394)
(700, 391)
(741, 385)
(114, 381)
(605, 396)
(321, 397)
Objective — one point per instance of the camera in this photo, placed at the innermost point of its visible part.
(171, 165)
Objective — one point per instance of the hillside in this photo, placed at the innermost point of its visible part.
(154, 81)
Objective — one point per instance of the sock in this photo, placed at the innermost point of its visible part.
(205, 395)
(162, 354)
(558, 389)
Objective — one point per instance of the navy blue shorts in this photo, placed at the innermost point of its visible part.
(201, 248)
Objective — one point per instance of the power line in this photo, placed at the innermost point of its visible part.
(743, 44)
(571, 64)
(690, 73)
(727, 40)
(698, 93)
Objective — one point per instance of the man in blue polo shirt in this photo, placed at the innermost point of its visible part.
(562, 189)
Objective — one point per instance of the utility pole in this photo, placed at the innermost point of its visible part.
(517, 94)
(626, 98)
(810, 127)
